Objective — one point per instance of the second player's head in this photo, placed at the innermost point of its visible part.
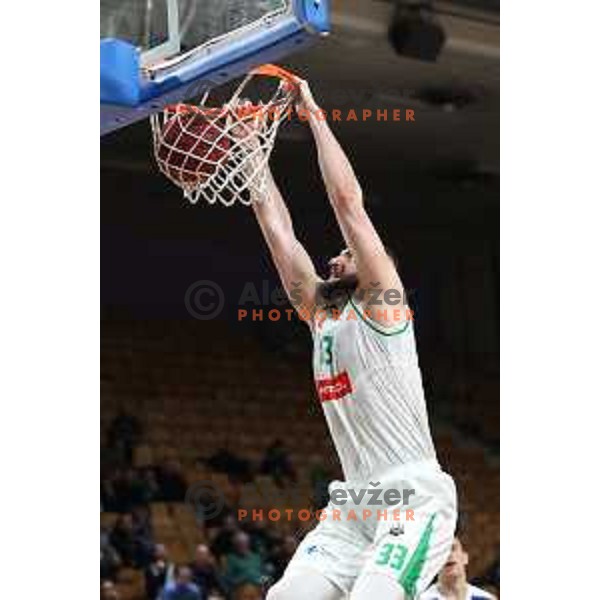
(455, 569)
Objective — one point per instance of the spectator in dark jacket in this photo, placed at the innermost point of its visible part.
(225, 461)
(109, 558)
(158, 572)
(278, 464)
(122, 540)
(131, 546)
(204, 572)
(223, 542)
(173, 486)
(124, 433)
(283, 556)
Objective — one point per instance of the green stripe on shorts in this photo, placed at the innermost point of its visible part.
(413, 569)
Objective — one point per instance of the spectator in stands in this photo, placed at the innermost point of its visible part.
(320, 477)
(108, 494)
(262, 538)
(172, 482)
(143, 533)
(135, 488)
(282, 556)
(160, 571)
(205, 574)
(108, 591)
(452, 579)
(115, 492)
(124, 432)
(109, 558)
(123, 539)
(222, 544)
(242, 566)
(225, 461)
(150, 489)
(182, 588)
(124, 489)
(278, 464)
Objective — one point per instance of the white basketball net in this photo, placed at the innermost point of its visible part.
(221, 154)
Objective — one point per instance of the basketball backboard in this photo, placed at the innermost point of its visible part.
(155, 52)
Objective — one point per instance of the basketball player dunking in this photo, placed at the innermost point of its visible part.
(369, 383)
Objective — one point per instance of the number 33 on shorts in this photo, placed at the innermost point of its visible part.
(392, 555)
(406, 562)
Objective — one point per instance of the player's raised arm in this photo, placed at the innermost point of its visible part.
(376, 269)
(295, 267)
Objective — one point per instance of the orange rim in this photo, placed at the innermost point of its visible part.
(182, 109)
(275, 71)
(267, 70)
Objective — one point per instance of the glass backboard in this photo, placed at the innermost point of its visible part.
(164, 28)
(154, 52)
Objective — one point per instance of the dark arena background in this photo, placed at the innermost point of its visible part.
(199, 413)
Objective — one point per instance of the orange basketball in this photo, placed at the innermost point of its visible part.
(190, 148)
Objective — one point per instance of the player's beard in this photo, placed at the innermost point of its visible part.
(335, 293)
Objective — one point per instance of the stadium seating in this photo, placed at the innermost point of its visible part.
(196, 389)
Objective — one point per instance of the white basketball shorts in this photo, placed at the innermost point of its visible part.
(400, 523)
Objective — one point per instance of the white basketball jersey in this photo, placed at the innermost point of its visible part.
(369, 383)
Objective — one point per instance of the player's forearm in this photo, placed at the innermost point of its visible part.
(290, 257)
(293, 264)
(340, 180)
(271, 212)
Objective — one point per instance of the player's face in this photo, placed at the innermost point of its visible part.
(457, 562)
(342, 266)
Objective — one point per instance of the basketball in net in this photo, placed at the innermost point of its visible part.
(190, 147)
(220, 154)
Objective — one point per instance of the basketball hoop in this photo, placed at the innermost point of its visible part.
(220, 154)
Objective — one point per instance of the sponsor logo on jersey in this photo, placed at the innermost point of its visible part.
(334, 388)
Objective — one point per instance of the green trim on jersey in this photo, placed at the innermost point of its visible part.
(415, 565)
(376, 328)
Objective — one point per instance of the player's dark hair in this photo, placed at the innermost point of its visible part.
(389, 252)
(461, 524)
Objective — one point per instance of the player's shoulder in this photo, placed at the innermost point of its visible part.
(396, 321)
(476, 593)
(432, 593)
